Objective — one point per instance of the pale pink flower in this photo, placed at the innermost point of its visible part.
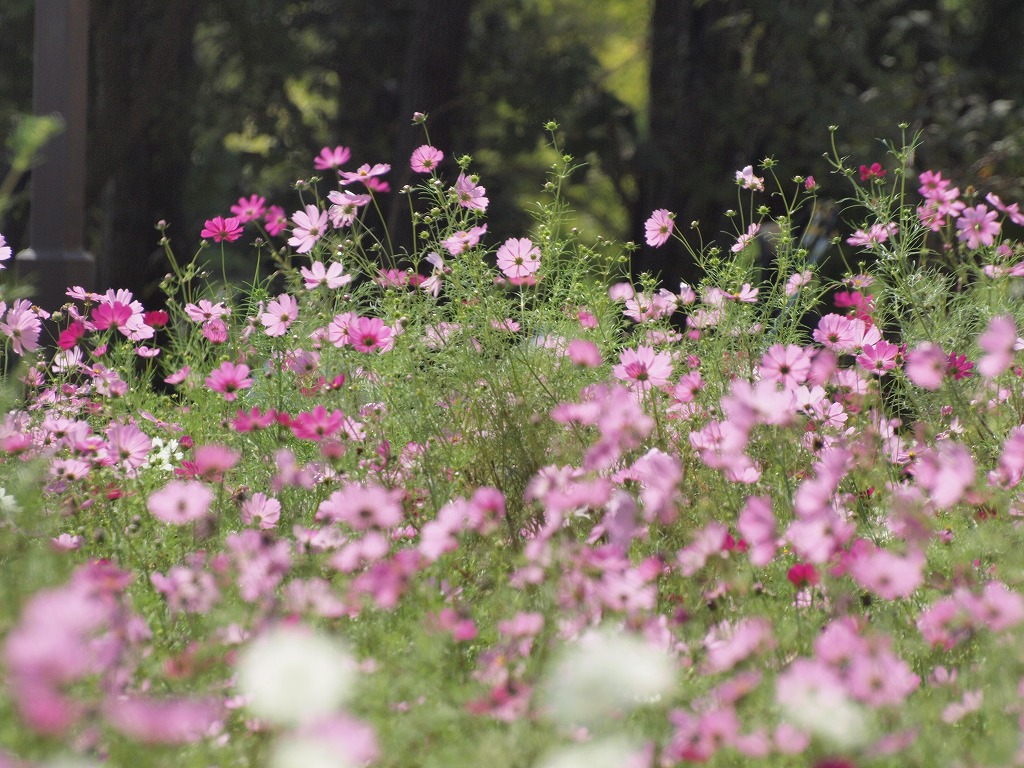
(161, 721)
(363, 507)
(364, 173)
(926, 365)
(756, 525)
(643, 368)
(888, 575)
(310, 226)
(266, 510)
(788, 365)
(206, 310)
(875, 235)
(345, 207)
(659, 227)
(128, 445)
(22, 326)
(425, 159)
(518, 257)
(179, 503)
(332, 277)
(280, 314)
(5, 251)
(584, 353)
(470, 194)
(797, 281)
(998, 342)
(746, 238)
(978, 226)
(746, 179)
(462, 240)
(1012, 211)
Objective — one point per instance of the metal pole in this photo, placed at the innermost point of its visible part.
(56, 258)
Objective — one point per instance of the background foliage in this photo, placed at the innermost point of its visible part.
(194, 103)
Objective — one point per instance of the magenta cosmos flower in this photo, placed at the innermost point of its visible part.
(426, 158)
(220, 229)
(229, 378)
(518, 257)
(643, 368)
(249, 208)
(331, 158)
(310, 226)
(659, 227)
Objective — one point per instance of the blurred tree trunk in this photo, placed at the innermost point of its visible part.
(684, 156)
(140, 145)
(430, 84)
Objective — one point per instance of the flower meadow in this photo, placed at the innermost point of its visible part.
(494, 503)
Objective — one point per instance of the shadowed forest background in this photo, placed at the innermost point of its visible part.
(194, 103)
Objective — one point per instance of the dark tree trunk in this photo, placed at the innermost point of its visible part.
(430, 84)
(141, 124)
(684, 157)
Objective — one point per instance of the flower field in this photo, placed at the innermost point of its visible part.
(494, 503)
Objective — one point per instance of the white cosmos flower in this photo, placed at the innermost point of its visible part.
(604, 672)
(292, 675)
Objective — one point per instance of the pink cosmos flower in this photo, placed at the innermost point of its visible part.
(280, 314)
(128, 445)
(179, 502)
(878, 358)
(998, 343)
(364, 173)
(345, 207)
(206, 310)
(262, 509)
(518, 257)
(797, 281)
(746, 239)
(331, 158)
(249, 208)
(310, 226)
(977, 226)
(926, 366)
(470, 194)
(221, 229)
(461, 240)
(229, 378)
(746, 179)
(643, 368)
(876, 234)
(874, 171)
(276, 220)
(659, 227)
(425, 159)
(363, 507)
(332, 277)
(584, 353)
(835, 332)
(367, 334)
(1012, 211)
(5, 251)
(788, 365)
(22, 326)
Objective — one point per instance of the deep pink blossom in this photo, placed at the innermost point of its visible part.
(249, 208)
(221, 229)
(331, 159)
